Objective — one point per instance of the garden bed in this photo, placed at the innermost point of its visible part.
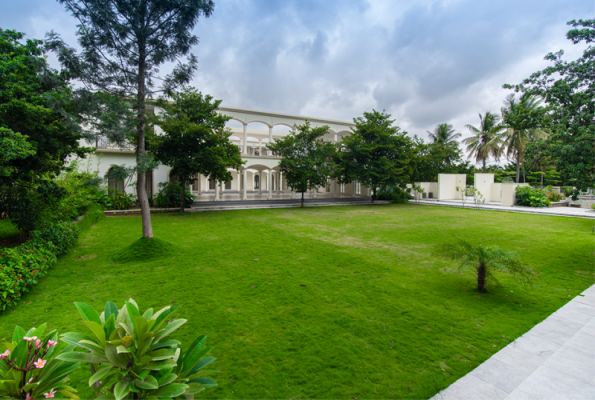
(115, 213)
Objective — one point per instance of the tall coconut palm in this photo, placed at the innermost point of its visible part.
(444, 134)
(521, 126)
(486, 140)
(484, 261)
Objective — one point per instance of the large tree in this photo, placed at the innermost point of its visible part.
(486, 140)
(306, 160)
(568, 89)
(524, 119)
(39, 128)
(124, 43)
(444, 134)
(376, 153)
(194, 139)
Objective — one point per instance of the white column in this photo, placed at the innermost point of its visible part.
(292, 193)
(335, 188)
(269, 183)
(315, 192)
(335, 138)
(279, 182)
(244, 184)
(245, 138)
(259, 182)
(270, 134)
(216, 190)
(199, 183)
(353, 183)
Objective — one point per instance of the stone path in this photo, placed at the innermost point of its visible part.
(554, 360)
(556, 211)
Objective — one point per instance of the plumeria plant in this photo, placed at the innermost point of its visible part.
(30, 369)
(132, 357)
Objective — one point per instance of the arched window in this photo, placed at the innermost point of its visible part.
(228, 185)
(256, 182)
(114, 183)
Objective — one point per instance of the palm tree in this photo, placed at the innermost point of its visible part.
(444, 134)
(486, 140)
(521, 129)
(485, 260)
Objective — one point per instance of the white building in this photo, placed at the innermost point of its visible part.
(260, 173)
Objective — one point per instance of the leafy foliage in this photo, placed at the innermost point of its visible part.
(376, 153)
(532, 197)
(130, 352)
(195, 139)
(394, 194)
(484, 261)
(487, 140)
(306, 162)
(568, 88)
(169, 195)
(30, 368)
(444, 134)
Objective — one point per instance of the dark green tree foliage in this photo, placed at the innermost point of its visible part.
(486, 140)
(306, 158)
(444, 134)
(376, 153)
(568, 88)
(195, 140)
(38, 129)
(124, 42)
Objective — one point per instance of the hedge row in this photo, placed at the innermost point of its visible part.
(22, 266)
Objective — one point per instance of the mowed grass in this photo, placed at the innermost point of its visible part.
(332, 302)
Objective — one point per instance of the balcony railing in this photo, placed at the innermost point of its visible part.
(101, 142)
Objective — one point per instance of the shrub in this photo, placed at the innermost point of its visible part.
(169, 195)
(116, 200)
(554, 196)
(532, 197)
(30, 369)
(394, 194)
(62, 236)
(131, 352)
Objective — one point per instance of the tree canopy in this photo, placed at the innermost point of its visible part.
(306, 161)
(124, 43)
(486, 140)
(194, 139)
(568, 89)
(376, 153)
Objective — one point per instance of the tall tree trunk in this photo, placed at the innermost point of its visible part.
(302, 198)
(182, 195)
(518, 166)
(484, 166)
(141, 190)
(373, 194)
(481, 277)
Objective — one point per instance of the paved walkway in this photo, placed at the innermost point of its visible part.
(557, 211)
(279, 203)
(554, 360)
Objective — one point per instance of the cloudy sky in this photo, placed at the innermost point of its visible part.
(425, 62)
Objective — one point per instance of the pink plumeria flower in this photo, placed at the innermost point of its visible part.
(38, 343)
(50, 395)
(40, 364)
(28, 397)
(51, 343)
(30, 339)
(5, 354)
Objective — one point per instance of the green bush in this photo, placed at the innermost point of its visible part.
(169, 195)
(62, 236)
(116, 200)
(554, 196)
(394, 194)
(532, 197)
(131, 353)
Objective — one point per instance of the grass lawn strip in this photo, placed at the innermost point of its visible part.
(337, 302)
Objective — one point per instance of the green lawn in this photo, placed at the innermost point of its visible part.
(343, 302)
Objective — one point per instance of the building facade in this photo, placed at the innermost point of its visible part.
(258, 178)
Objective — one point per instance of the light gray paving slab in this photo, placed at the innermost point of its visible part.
(556, 330)
(554, 360)
(522, 360)
(571, 315)
(471, 387)
(500, 375)
(549, 383)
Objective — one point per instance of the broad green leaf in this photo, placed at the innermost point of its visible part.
(39, 331)
(171, 390)
(166, 379)
(148, 313)
(91, 345)
(201, 364)
(97, 330)
(133, 313)
(100, 374)
(110, 308)
(189, 364)
(193, 388)
(122, 349)
(20, 354)
(74, 356)
(157, 365)
(109, 326)
(122, 388)
(169, 328)
(88, 313)
(205, 381)
(166, 343)
(163, 315)
(143, 374)
(119, 360)
(150, 383)
(161, 354)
